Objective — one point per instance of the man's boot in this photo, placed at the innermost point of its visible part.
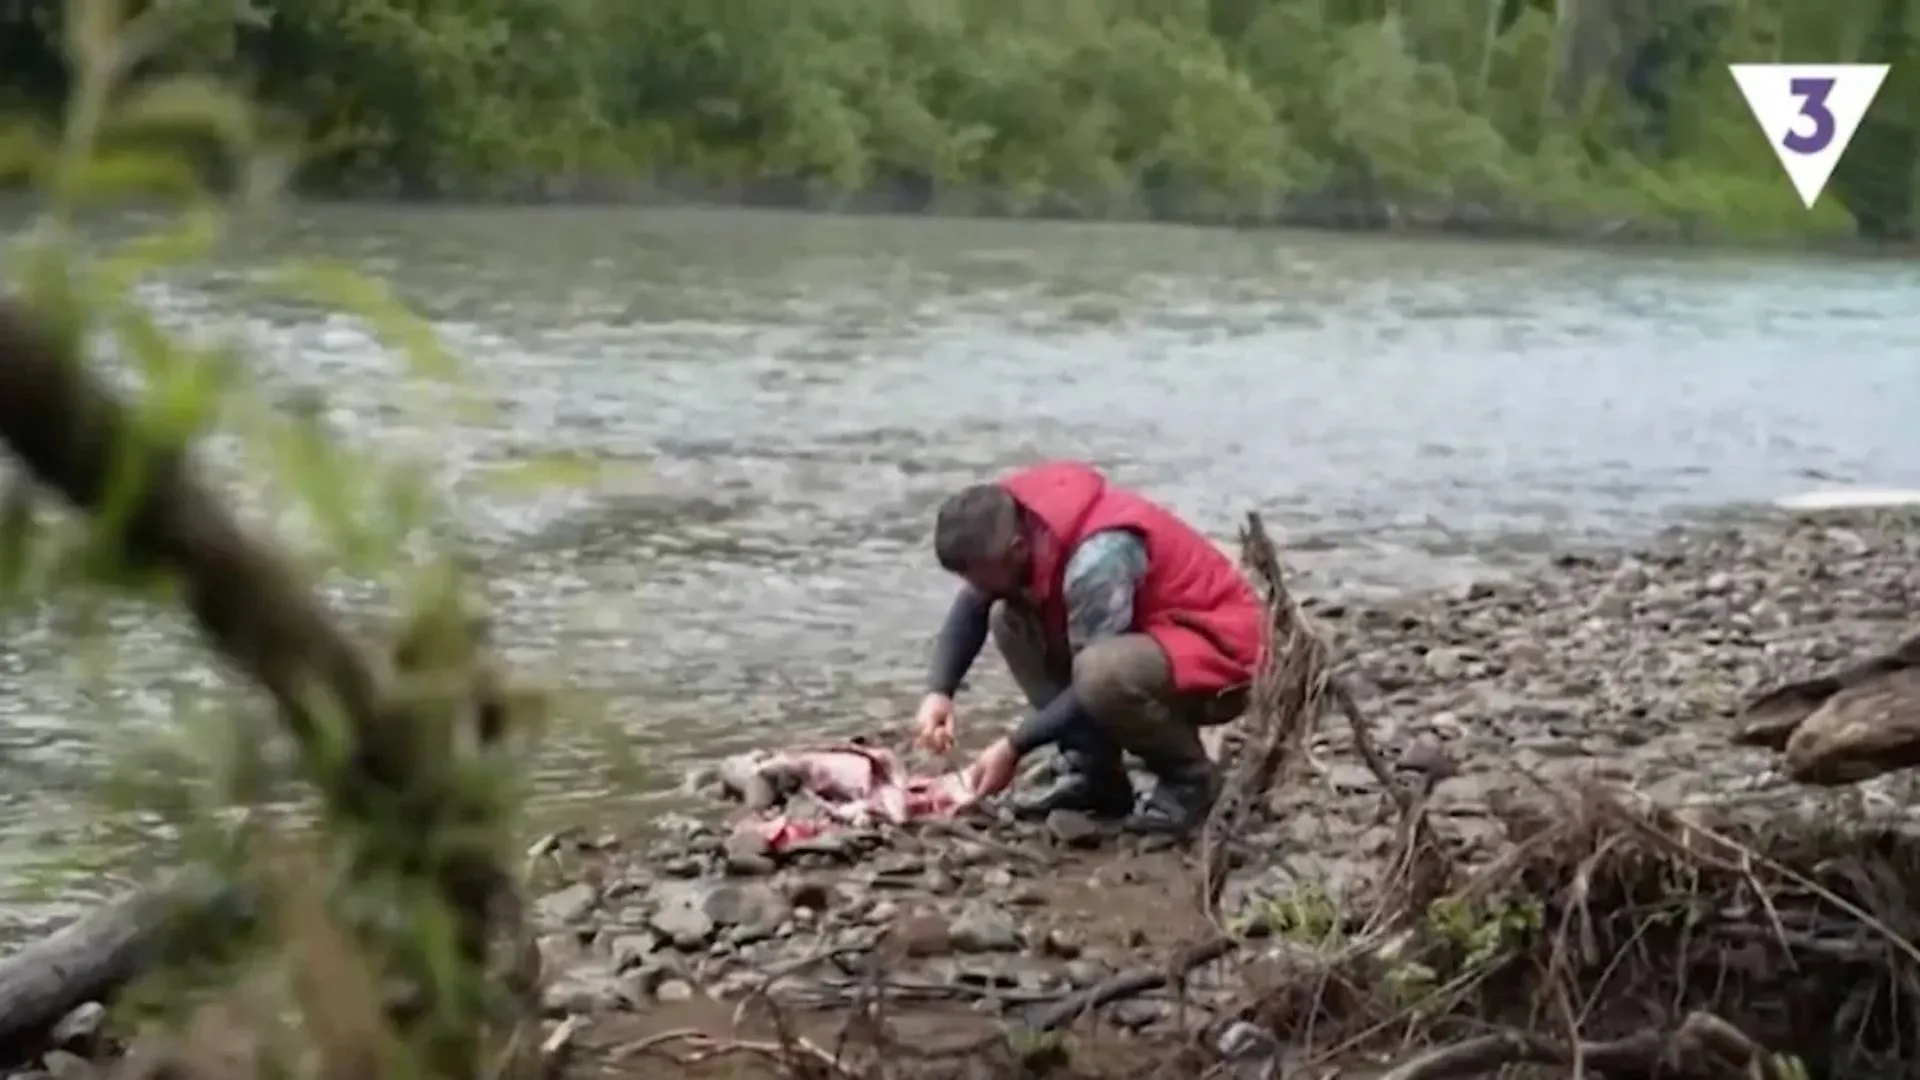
(1087, 782)
(1180, 801)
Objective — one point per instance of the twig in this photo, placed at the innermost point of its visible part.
(707, 1048)
(562, 1035)
(1703, 1039)
(629, 1051)
(1130, 984)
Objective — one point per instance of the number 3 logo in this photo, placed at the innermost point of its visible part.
(1812, 94)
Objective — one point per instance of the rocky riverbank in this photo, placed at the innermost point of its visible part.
(1622, 666)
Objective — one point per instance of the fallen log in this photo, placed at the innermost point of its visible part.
(96, 955)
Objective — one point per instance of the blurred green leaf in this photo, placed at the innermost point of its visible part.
(189, 105)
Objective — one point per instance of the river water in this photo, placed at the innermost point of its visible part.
(788, 398)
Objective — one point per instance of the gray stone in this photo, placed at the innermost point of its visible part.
(1446, 664)
(80, 1028)
(629, 951)
(1084, 973)
(980, 928)
(1074, 830)
(567, 906)
(640, 982)
(584, 990)
(685, 924)
(751, 865)
(65, 1066)
(748, 854)
(1245, 1042)
(1134, 1015)
(560, 950)
(690, 913)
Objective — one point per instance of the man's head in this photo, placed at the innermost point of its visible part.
(979, 534)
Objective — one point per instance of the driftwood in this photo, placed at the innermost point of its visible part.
(1293, 686)
(1847, 725)
(95, 955)
(76, 437)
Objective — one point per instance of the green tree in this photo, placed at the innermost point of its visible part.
(1531, 110)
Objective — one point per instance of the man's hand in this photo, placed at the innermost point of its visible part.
(992, 772)
(934, 723)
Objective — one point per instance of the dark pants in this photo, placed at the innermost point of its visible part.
(1126, 684)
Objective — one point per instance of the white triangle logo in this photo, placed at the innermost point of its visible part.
(1809, 113)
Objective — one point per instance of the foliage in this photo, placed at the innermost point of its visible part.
(387, 915)
(1523, 111)
(1457, 942)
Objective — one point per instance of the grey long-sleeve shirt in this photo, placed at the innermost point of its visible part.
(1102, 576)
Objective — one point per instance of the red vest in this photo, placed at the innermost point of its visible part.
(1194, 601)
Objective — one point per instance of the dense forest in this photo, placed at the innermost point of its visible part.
(1235, 110)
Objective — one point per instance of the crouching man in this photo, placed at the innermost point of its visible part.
(1127, 630)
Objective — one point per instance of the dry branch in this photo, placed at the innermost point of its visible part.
(1283, 707)
(1292, 686)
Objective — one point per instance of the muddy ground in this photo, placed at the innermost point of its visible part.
(1625, 666)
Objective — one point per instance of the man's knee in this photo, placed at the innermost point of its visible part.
(1127, 685)
(1123, 680)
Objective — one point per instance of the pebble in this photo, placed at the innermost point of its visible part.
(674, 990)
(980, 928)
(922, 935)
(567, 906)
(1075, 830)
(748, 853)
(79, 1030)
(631, 950)
(63, 1065)
(584, 989)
